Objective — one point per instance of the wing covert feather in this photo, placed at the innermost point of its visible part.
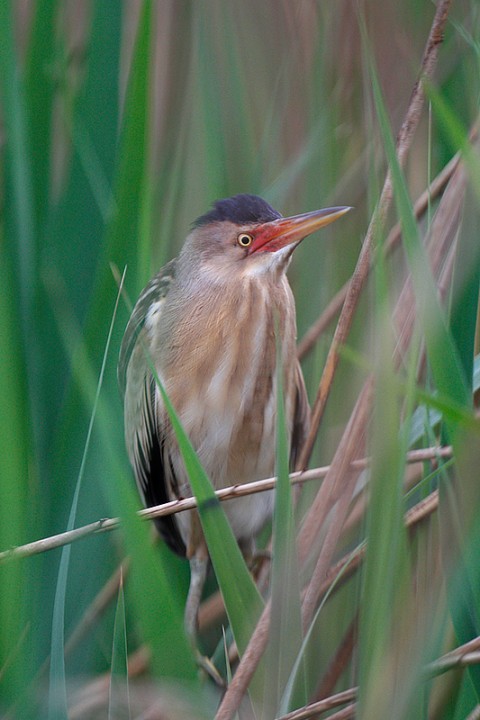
(144, 437)
(156, 291)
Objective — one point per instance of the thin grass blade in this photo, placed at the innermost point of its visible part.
(119, 700)
(285, 637)
(384, 582)
(57, 705)
(442, 353)
(157, 607)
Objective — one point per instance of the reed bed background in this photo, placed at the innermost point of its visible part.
(121, 123)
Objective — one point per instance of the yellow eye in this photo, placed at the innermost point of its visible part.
(244, 240)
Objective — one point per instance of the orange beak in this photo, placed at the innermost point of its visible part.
(277, 234)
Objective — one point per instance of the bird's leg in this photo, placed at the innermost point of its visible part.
(198, 574)
(198, 557)
(197, 554)
(253, 556)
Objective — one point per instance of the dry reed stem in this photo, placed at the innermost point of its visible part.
(462, 656)
(344, 569)
(349, 563)
(405, 316)
(442, 235)
(340, 660)
(356, 514)
(139, 660)
(362, 269)
(339, 573)
(329, 499)
(177, 506)
(435, 189)
(257, 643)
(458, 658)
(441, 238)
(439, 241)
(472, 646)
(321, 706)
(333, 501)
(348, 713)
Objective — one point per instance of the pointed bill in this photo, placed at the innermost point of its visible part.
(277, 234)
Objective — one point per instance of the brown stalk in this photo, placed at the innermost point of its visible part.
(344, 570)
(340, 660)
(351, 444)
(349, 563)
(329, 499)
(333, 500)
(337, 576)
(322, 706)
(348, 713)
(395, 235)
(176, 506)
(362, 269)
(462, 656)
(439, 241)
(455, 657)
(339, 573)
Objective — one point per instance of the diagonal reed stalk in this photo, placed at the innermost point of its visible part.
(178, 506)
(340, 481)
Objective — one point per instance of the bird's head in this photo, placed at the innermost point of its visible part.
(245, 235)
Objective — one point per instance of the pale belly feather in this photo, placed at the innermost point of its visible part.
(228, 408)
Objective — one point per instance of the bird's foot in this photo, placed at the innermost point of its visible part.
(256, 560)
(209, 668)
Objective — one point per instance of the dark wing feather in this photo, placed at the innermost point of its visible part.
(150, 472)
(301, 418)
(142, 433)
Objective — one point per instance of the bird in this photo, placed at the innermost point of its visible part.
(208, 324)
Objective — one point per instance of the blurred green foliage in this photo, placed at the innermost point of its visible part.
(121, 123)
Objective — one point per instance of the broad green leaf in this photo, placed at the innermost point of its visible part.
(72, 241)
(16, 475)
(242, 599)
(19, 408)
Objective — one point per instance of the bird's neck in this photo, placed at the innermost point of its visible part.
(227, 331)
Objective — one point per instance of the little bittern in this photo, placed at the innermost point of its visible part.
(207, 322)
